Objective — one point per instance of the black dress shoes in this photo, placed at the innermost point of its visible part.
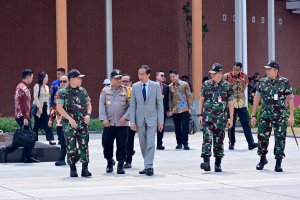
(179, 146)
(127, 165)
(186, 147)
(231, 147)
(149, 171)
(144, 171)
(110, 166)
(252, 146)
(60, 163)
(160, 147)
(52, 143)
(120, 168)
(31, 160)
(5, 153)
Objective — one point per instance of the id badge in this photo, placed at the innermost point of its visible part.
(219, 99)
(108, 102)
(276, 97)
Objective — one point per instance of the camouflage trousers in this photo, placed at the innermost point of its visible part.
(264, 133)
(73, 138)
(213, 133)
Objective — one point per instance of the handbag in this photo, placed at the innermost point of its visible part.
(24, 138)
(33, 109)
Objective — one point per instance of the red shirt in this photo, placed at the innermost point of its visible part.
(22, 101)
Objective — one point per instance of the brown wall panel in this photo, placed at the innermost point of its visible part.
(149, 33)
(287, 39)
(257, 34)
(288, 43)
(218, 43)
(143, 33)
(86, 44)
(27, 40)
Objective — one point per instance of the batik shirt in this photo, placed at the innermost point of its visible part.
(238, 84)
(22, 101)
(180, 97)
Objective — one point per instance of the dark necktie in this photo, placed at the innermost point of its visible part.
(144, 91)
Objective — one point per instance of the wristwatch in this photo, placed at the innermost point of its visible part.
(253, 116)
(199, 115)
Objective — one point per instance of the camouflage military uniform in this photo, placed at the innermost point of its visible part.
(274, 94)
(74, 101)
(215, 115)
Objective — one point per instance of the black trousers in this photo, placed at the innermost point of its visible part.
(181, 123)
(63, 145)
(42, 123)
(160, 135)
(27, 152)
(242, 113)
(130, 145)
(108, 137)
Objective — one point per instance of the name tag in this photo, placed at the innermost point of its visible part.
(108, 102)
(276, 97)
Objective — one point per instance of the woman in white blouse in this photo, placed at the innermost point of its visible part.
(41, 99)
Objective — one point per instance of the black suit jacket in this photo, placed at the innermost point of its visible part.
(166, 98)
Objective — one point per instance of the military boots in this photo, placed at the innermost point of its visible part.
(278, 167)
(73, 170)
(206, 164)
(263, 161)
(85, 172)
(218, 167)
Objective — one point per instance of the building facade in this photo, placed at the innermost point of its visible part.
(144, 32)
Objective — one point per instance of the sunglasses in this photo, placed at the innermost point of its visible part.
(162, 75)
(125, 81)
(63, 81)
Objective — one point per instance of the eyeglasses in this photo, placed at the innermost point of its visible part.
(63, 81)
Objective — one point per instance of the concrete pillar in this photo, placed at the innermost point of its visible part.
(271, 30)
(238, 31)
(109, 37)
(245, 45)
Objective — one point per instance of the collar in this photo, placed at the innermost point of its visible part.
(25, 83)
(240, 75)
(116, 90)
(177, 83)
(219, 82)
(147, 83)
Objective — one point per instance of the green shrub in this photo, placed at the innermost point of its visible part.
(9, 125)
(296, 91)
(95, 125)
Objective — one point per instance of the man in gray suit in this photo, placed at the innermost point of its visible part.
(146, 115)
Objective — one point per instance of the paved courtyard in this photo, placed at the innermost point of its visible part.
(177, 176)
